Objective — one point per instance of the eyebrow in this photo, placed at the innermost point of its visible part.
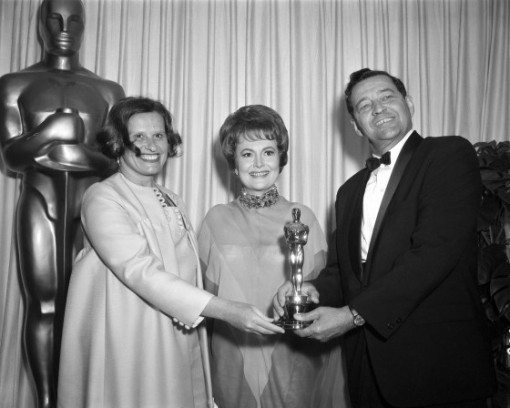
(378, 92)
(386, 90)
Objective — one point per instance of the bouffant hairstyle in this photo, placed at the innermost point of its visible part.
(113, 139)
(253, 122)
(358, 76)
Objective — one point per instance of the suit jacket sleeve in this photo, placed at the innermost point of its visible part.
(328, 282)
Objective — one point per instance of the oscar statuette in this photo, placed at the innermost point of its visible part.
(296, 236)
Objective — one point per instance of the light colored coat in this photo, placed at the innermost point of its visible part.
(122, 344)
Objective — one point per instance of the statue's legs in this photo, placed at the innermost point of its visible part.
(45, 267)
(37, 256)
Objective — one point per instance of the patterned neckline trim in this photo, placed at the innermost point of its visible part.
(268, 199)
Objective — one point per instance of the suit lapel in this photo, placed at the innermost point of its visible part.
(354, 221)
(400, 166)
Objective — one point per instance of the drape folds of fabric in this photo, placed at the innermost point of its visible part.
(204, 59)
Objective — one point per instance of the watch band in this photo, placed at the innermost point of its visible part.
(357, 319)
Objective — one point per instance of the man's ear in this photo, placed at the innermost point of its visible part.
(356, 129)
(410, 104)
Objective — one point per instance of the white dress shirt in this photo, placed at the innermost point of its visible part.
(374, 192)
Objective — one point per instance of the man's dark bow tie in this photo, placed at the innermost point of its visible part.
(373, 162)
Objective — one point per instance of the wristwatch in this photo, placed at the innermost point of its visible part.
(357, 319)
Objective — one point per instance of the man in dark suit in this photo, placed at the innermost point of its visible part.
(400, 284)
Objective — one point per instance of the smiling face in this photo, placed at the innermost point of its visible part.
(381, 113)
(62, 26)
(258, 164)
(147, 132)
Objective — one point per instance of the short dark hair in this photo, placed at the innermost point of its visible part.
(254, 122)
(364, 73)
(114, 137)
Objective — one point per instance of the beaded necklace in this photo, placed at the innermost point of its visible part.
(269, 198)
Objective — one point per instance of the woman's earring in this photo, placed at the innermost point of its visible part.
(236, 172)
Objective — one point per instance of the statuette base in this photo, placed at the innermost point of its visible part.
(295, 304)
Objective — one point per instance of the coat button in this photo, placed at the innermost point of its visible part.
(390, 326)
(398, 321)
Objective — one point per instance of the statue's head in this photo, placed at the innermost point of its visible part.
(296, 233)
(61, 26)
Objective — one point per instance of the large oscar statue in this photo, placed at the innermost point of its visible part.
(50, 113)
(296, 236)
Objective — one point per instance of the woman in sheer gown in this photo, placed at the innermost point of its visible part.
(244, 257)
